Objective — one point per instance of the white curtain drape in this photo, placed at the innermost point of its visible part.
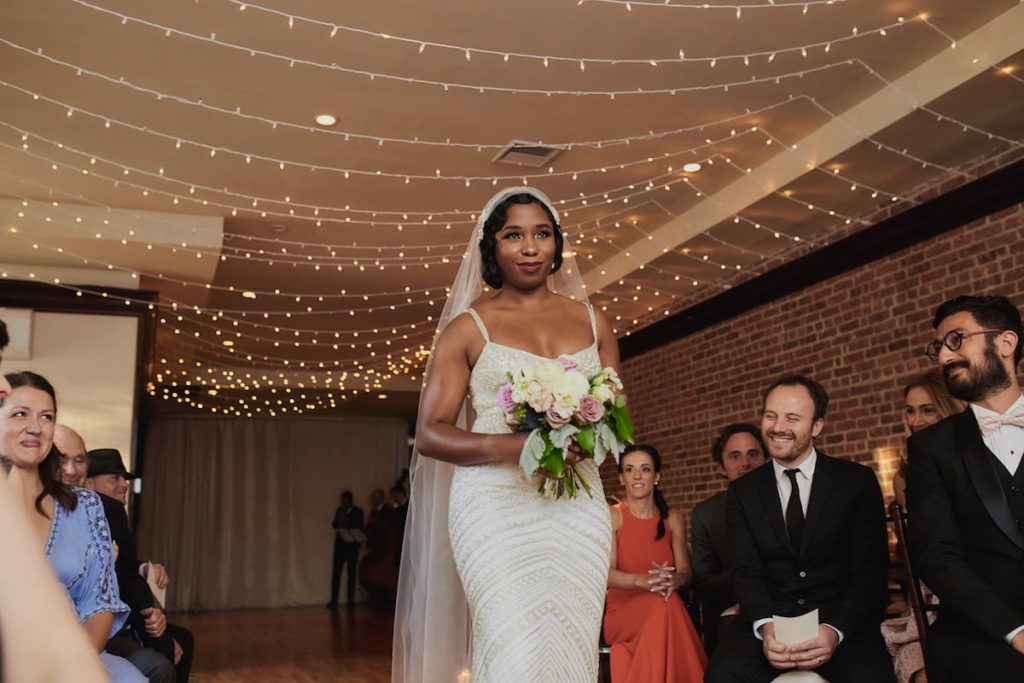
(240, 511)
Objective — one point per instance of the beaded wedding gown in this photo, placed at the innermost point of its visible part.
(535, 570)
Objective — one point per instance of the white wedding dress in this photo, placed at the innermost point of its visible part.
(535, 570)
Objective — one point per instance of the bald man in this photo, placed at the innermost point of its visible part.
(73, 461)
(139, 640)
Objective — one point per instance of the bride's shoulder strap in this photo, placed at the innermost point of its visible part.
(593, 320)
(480, 323)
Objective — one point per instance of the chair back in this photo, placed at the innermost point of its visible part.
(917, 603)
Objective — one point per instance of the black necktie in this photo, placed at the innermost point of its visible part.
(794, 511)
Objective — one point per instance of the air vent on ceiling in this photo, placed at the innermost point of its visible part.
(519, 153)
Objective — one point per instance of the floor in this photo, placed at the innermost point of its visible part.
(297, 645)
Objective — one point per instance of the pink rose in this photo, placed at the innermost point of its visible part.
(505, 401)
(554, 419)
(590, 409)
(568, 363)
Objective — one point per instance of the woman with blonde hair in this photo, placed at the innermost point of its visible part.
(926, 401)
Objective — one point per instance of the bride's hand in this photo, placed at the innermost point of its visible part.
(574, 454)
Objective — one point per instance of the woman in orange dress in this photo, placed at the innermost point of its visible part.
(650, 633)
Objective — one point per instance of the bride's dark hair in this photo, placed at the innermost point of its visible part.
(496, 221)
(659, 500)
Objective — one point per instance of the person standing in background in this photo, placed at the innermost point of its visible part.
(348, 518)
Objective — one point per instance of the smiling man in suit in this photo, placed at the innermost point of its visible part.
(805, 532)
(965, 499)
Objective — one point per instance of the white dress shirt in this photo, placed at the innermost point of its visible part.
(1007, 444)
(804, 478)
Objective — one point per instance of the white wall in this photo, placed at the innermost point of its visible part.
(90, 360)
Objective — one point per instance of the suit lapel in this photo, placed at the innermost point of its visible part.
(821, 491)
(979, 469)
(769, 491)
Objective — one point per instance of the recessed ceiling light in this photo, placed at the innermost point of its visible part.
(248, 295)
(382, 395)
(692, 167)
(228, 342)
(325, 120)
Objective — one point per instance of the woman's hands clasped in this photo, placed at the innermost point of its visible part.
(661, 578)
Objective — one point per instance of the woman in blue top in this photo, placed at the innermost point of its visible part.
(69, 523)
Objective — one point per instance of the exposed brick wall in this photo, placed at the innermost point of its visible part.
(860, 334)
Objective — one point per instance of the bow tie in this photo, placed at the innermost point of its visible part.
(989, 424)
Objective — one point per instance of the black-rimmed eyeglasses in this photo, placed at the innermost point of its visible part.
(952, 341)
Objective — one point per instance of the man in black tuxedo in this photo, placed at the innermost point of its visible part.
(965, 499)
(736, 451)
(805, 532)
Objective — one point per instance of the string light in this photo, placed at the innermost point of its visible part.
(346, 171)
(671, 4)
(346, 135)
(447, 86)
(470, 52)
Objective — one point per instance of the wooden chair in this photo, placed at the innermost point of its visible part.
(604, 662)
(918, 606)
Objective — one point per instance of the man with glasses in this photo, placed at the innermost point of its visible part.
(965, 495)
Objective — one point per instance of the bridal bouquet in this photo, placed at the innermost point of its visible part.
(558, 404)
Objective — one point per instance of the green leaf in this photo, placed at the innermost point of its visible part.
(623, 423)
(619, 401)
(586, 437)
(552, 462)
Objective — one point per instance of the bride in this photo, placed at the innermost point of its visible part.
(531, 570)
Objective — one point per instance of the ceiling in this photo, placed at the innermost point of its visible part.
(172, 146)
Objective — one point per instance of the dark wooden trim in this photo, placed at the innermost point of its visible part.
(982, 197)
(48, 298)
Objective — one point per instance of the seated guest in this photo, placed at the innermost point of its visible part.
(68, 523)
(964, 491)
(133, 588)
(107, 476)
(925, 401)
(737, 450)
(806, 532)
(48, 643)
(646, 624)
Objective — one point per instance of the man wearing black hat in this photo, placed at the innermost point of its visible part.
(108, 476)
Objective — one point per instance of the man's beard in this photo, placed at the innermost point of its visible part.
(977, 382)
(798, 447)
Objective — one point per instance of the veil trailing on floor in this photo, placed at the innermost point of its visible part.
(432, 629)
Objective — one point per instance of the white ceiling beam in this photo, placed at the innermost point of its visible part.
(992, 43)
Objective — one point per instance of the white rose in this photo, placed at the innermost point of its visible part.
(549, 372)
(603, 393)
(575, 384)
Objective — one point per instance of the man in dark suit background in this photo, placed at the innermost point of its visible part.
(737, 450)
(805, 532)
(965, 499)
(348, 518)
